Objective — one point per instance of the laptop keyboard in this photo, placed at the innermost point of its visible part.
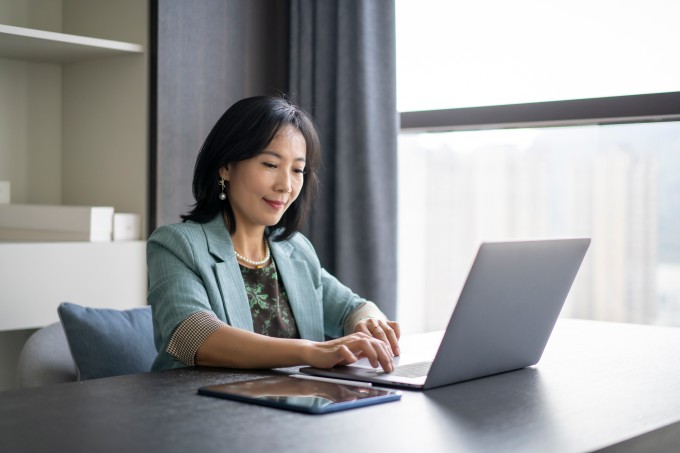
(412, 370)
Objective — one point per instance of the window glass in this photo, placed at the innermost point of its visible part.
(618, 184)
(454, 53)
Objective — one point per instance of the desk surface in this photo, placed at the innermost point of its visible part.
(597, 384)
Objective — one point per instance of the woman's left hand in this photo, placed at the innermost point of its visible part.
(386, 331)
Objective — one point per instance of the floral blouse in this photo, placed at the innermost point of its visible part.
(269, 306)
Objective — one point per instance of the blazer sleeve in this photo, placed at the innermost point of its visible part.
(176, 290)
(338, 301)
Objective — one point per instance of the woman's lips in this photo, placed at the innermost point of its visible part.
(275, 204)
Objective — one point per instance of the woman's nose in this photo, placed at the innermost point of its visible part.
(283, 183)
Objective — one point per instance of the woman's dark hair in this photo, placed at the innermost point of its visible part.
(243, 132)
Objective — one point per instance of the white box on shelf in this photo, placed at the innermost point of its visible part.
(126, 227)
(26, 222)
(4, 192)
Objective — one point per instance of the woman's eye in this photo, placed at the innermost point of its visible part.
(300, 171)
(269, 165)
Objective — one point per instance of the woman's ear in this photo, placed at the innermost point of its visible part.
(224, 172)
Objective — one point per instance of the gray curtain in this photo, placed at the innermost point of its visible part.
(205, 56)
(342, 71)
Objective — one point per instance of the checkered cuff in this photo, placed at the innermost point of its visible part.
(366, 310)
(190, 335)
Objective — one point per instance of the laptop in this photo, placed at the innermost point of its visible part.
(502, 321)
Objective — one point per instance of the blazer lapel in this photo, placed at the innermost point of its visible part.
(228, 275)
(304, 302)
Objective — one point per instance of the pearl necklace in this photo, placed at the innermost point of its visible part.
(257, 264)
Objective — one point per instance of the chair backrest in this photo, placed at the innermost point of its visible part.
(45, 358)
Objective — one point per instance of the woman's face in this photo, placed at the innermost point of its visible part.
(263, 187)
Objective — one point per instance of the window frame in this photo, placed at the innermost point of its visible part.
(606, 110)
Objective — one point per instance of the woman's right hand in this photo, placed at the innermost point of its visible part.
(349, 349)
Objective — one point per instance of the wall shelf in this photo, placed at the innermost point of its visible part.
(50, 47)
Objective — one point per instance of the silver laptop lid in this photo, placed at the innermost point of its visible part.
(507, 308)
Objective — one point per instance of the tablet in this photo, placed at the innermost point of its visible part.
(301, 395)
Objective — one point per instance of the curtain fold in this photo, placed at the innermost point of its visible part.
(343, 72)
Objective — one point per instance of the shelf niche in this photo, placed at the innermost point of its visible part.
(75, 106)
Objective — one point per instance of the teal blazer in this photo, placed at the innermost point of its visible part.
(192, 267)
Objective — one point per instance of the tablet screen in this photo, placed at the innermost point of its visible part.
(301, 394)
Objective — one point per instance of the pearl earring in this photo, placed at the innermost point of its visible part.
(222, 196)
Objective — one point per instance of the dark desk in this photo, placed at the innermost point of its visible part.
(598, 384)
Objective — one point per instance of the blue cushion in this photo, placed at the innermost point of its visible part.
(106, 342)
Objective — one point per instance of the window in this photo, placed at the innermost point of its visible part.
(470, 53)
(606, 167)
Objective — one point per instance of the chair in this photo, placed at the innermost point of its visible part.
(89, 343)
(45, 358)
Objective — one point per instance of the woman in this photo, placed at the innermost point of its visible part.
(236, 285)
